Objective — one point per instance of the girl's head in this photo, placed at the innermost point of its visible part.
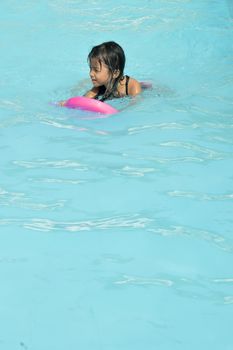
(107, 62)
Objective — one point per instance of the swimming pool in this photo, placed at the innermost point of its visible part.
(116, 233)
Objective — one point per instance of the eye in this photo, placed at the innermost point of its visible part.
(94, 69)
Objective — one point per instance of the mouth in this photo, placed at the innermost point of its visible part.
(95, 82)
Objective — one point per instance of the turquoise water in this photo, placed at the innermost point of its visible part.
(116, 233)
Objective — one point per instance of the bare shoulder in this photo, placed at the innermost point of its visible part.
(134, 87)
(92, 93)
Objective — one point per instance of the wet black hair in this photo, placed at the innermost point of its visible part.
(113, 56)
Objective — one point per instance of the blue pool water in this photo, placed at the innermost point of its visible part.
(116, 233)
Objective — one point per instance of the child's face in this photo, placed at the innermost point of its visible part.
(99, 73)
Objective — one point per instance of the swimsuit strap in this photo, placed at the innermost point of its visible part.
(126, 84)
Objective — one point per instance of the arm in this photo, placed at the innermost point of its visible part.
(134, 87)
(92, 93)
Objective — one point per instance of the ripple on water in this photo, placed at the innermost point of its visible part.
(204, 151)
(178, 126)
(12, 105)
(46, 163)
(134, 172)
(215, 239)
(73, 127)
(201, 288)
(57, 181)
(149, 17)
(134, 221)
(20, 200)
(202, 196)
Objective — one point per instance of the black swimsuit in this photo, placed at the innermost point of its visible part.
(102, 89)
(126, 85)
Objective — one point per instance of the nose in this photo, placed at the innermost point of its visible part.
(91, 73)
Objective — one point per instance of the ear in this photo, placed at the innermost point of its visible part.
(116, 73)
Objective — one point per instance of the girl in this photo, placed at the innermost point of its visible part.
(107, 62)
